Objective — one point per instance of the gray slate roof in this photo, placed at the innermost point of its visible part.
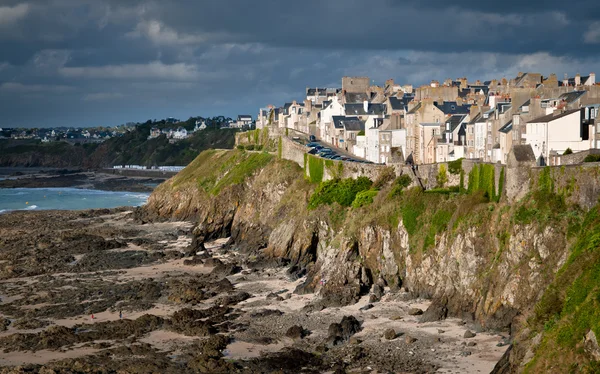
(570, 97)
(348, 123)
(450, 107)
(523, 153)
(454, 121)
(552, 117)
(507, 128)
(356, 97)
(396, 103)
(358, 109)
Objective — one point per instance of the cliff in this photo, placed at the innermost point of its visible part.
(530, 267)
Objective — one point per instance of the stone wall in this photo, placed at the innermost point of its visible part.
(577, 158)
(579, 183)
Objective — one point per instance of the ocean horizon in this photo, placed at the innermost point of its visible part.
(66, 198)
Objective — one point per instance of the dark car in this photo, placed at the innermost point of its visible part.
(312, 145)
(313, 151)
(312, 138)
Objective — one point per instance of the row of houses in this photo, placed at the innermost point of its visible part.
(441, 122)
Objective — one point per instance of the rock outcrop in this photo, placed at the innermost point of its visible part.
(481, 263)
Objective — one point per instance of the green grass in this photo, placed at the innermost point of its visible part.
(341, 191)
(364, 198)
(240, 171)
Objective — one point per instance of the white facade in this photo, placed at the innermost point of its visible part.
(326, 120)
(360, 148)
(372, 140)
(181, 133)
(480, 139)
(557, 135)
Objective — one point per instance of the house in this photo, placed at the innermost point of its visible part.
(154, 133)
(180, 133)
(578, 80)
(428, 136)
(346, 130)
(244, 119)
(421, 112)
(559, 131)
(452, 144)
(506, 141)
(325, 120)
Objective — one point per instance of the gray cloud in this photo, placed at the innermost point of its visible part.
(104, 62)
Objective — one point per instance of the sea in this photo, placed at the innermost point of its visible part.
(66, 199)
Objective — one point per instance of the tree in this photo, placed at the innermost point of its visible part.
(568, 151)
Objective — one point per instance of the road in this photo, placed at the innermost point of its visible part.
(339, 151)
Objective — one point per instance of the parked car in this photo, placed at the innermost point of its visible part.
(336, 157)
(313, 151)
(312, 138)
(312, 145)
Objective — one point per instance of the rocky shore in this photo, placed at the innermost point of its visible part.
(103, 289)
(48, 178)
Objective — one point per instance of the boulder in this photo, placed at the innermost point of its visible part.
(295, 332)
(409, 339)
(469, 334)
(415, 312)
(389, 334)
(437, 311)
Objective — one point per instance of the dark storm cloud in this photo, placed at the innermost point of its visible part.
(90, 62)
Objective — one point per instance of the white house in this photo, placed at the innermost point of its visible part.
(557, 132)
(244, 119)
(180, 133)
(335, 108)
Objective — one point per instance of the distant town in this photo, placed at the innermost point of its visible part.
(446, 121)
(172, 128)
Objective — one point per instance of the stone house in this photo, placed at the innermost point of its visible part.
(421, 112)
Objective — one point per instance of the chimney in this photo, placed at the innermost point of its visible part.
(577, 80)
(366, 106)
(592, 80)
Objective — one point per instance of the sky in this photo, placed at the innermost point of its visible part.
(107, 62)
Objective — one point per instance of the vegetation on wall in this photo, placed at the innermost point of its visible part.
(316, 167)
(280, 148)
(455, 167)
(335, 168)
(592, 158)
(482, 178)
(442, 176)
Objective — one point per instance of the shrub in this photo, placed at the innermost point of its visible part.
(591, 158)
(280, 150)
(568, 151)
(361, 133)
(341, 191)
(364, 198)
(442, 176)
(455, 167)
(400, 184)
(250, 147)
(259, 148)
(240, 147)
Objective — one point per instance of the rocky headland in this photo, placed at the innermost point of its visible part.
(233, 267)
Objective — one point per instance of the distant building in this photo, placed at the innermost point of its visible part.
(244, 120)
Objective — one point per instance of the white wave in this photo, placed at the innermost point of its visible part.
(32, 207)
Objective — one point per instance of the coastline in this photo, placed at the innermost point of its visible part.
(187, 309)
(77, 178)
